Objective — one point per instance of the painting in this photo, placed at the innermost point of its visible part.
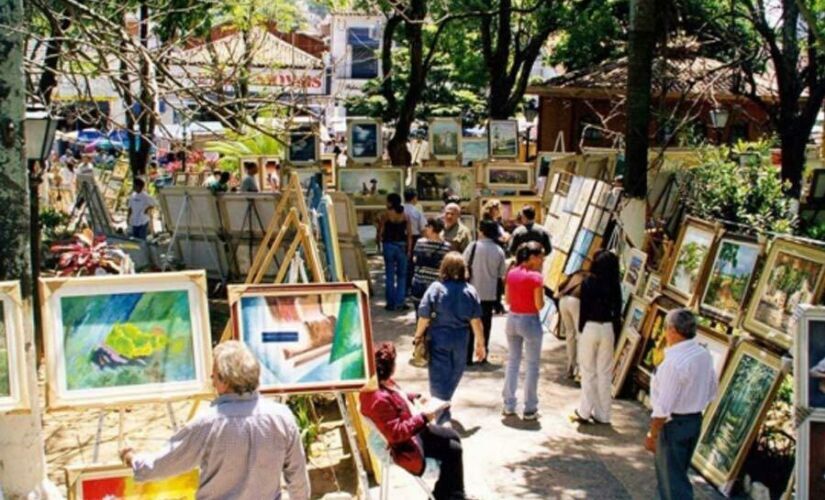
(691, 253)
(116, 482)
(126, 339)
(474, 151)
(509, 177)
(623, 358)
(583, 242)
(653, 348)
(732, 421)
(308, 338)
(367, 235)
(249, 162)
(635, 269)
(120, 170)
(792, 276)
(434, 185)
(445, 138)
(717, 344)
(570, 229)
(573, 194)
(574, 263)
(635, 316)
(592, 217)
(730, 276)
(653, 287)
(369, 187)
(364, 141)
(809, 359)
(553, 269)
(304, 146)
(503, 136)
(583, 199)
(511, 207)
(810, 458)
(14, 387)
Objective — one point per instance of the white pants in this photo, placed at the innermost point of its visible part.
(595, 363)
(569, 311)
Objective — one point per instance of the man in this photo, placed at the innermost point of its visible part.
(249, 184)
(139, 205)
(428, 253)
(212, 179)
(683, 386)
(86, 167)
(222, 185)
(417, 223)
(242, 443)
(530, 231)
(487, 265)
(455, 233)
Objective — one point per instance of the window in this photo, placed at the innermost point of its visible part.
(363, 57)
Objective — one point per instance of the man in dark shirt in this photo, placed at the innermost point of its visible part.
(530, 231)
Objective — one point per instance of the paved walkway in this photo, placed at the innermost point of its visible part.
(511, 458)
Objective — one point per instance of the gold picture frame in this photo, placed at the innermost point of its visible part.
(441, 149)
(14, 383)
(460, 180)
(732, 268)
(623, 357)
(496, 177)
(689, 262)
(369, 187)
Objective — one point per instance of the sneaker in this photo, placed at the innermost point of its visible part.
(508, 413)
(531, 415)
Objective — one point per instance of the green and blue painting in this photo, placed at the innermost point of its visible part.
(127, 339)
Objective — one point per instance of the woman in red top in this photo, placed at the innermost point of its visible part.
(525, 294)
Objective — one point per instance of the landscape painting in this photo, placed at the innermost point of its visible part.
(308, 338)
(445, 138)
(509, 177)
(13, 375)
(634, 272)
(730, 276)
(634, 319)
(434, 185)
(364, 140)
(732, 421)
(503, 135)
(116, 482)
(692, 249)
(474, 151)
(369, 187)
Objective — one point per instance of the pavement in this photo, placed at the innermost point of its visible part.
(511, 458)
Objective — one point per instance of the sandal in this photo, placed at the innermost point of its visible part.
(578, 419)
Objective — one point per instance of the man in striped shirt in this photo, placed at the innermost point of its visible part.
(428, 253)
(684, 384)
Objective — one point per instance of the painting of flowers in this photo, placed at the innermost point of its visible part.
(730, 276)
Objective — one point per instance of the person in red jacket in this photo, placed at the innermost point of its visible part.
(410, 435)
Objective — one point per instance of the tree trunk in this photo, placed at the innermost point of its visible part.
(51, 62)
(793, 160)
(640, 61)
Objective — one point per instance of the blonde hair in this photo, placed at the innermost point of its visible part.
(236, 367)
(453, 268)
(489, 206)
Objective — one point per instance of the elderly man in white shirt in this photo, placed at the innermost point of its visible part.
(684, 384)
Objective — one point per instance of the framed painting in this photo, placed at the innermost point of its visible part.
(571, 229)
(653, 347)
(364, 141)
(445, 138)
(304, 146)
(553, 270)
(636, 313)
(308, 337)
(653, 287)
(623, 358)
(369, 187)
(809, 359)
(583, 241)
(474, 151)
(604, 221)
(14, 386)
(635, 269)
(592, 217)
(583, 199)
(516, 177)
(810, 458)
(116, 482)
(792, 275)
(575, 262)
(306, 176)
(121, 169)
(180, 178)
(346, 219)
(118, 340)
(247, 214)
(367, 235)
(503, 136)
(573, 194)
(434, 185)
(511, 207)
(731, 271)
(689, 260)
(717, 344)
(732, 421)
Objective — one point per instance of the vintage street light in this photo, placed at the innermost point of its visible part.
(718, 120)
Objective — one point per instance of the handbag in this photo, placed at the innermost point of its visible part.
(421, 352)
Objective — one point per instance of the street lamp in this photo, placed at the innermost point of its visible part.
(718, 120)
(531, 111)
(39, 131)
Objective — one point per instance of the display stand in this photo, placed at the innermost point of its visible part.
(185, 210)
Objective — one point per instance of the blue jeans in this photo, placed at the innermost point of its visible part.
(448, 358)
(395, 273)
(674, 449)
(523, 333)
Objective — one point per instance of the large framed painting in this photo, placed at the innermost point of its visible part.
(14, 387)
(634, 269)
(434, 185)
(117, 340)
(503, 136)
(474, 151)
(309, 337)
(732, 421)
(623, 358)
(809, 359)
(511, 206)
(792, 275)
(364, 141)
(116, 482)
(369, 187)
(691, 253)
(304, 147)
(445, 138)
(810, 458)
(510, 177)
(733, 266)
(717, 344)
(654, 343)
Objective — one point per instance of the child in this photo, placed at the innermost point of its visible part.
(140, 204)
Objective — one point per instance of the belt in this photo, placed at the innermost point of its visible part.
(686, 415)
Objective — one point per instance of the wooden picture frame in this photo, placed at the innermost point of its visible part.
(653, 287)
(433, 183)
(304, 145)
(445, 137)
(718, 345)
(369, 187)
(745, 394)
(781, 287)
(290, 329)
(623, 357)
(354, 261)
(809, 359)
(635, 269)
(636, 314)
(810, 458)
(475, 151)
(14, 377)
(367, 235)
(365, 143)
(689, 262)
(201, 217)
(652, 352)
(345, 217)
(510, 177)
(503, 138)
(91, 482)
(733, 265)
(87, 322)
(247, 215)
(120, 170)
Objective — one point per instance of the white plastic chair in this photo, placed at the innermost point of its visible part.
(378, 446)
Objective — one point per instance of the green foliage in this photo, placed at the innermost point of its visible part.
(592, 34)
(308, 423)
(743, 188)
(236, 147)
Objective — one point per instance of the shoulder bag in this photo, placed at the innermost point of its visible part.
(421, 351)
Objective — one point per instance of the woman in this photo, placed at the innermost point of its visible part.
(569, 295)
(601, 305)
(395, 238)
(525, 293)
(428, 253)
(450, 308)
(492, 211)
(410, 435)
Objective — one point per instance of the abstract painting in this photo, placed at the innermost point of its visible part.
(792, 275)
(364, 143)
(434, 185)
(445, 138)
(13, 375)
(116, 482)
(732, 421)
(622, 358)
(691, 253)
(809, 359)
(474, 151)
(369, 187)
(126, 339)
(730, 277)
(512, 177)
(308, 338)
(503, 135)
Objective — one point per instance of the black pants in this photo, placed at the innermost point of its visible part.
(674, 448)
(444, 445)
(487, 307)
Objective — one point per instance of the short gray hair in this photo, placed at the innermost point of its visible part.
(236, 367)
(453, 207)
(683, 321)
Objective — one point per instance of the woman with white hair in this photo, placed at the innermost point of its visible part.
(241, 443)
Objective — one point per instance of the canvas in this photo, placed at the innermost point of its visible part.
(364, 142)
(635, 316)
(622, 359)
(303, 146)
(247, 214)
(126, 339)
(191, 210)
(116, 482)
(369, 187)
(308, 338)
(503, 136)
(792, 275)
(810, 458)
(732, 421)
(14, 394)
(635, 268)
(509, 177)
(474, 151)
(573, 194)
(653, 286)
(434, 185)
(717, 345)
(730, 276)
(653, 349)
(445, 138)
(809, 359)
(691, 252)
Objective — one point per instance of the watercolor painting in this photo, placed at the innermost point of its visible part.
(369, 187)
(503, 135)
(730, 277)
(445, 138)
(691, 255)
(474, 151)
(116, 482)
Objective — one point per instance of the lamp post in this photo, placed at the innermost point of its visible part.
(718, 120)
(531, 111)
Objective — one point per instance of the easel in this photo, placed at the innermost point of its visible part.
(185, 209)
(99, 217)
(249, 226)
(121, 440)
